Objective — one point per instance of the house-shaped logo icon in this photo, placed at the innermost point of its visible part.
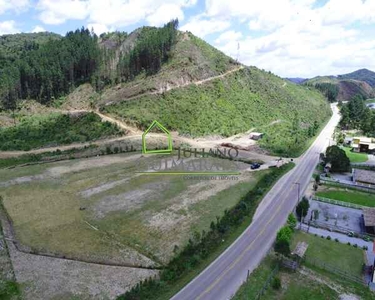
(153, 125)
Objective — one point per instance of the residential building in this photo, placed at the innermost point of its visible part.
(363, 144)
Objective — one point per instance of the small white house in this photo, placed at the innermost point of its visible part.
(256, 136)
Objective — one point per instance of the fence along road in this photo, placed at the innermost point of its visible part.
(222, 278)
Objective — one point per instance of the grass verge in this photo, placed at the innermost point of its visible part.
(349, 196)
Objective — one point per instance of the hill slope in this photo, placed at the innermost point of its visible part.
(339, 88)
(13, 45)
(174, 77)
(200, 91)
(192, 59)
(362, 75)
(246, 99)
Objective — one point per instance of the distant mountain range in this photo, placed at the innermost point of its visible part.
(297, 80)
(343, 87)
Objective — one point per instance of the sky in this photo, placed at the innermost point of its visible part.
(290, 38)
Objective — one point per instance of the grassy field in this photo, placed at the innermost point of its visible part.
(344, 257)
(313, 283)
(53, 130)
(249, 98)
(294, 286)
(350, 196)
(355, 157)
(101, 209)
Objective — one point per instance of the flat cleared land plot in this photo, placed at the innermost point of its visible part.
(349, 196)
(100, 209)
(342, 256)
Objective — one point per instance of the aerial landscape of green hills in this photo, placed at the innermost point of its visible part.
(185, 83)
(186, 161)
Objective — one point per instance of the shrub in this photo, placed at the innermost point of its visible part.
(329, 237)
(54, 129)
(276, 283)
(365, 248)
(302, 208)
(349, 243)
(336, 240)
(292, 221)
(355, 245)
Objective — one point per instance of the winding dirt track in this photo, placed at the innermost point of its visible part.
(131, 132)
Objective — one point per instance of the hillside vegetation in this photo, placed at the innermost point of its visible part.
(344, 87)
(356, 115)
(191, 59)
(54, 129)
(249, 98)
(52, 69)
(362, 75)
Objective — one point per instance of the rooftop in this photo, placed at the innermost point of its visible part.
(364, 176)
(369, 216)
(300, 249)
(363, 140)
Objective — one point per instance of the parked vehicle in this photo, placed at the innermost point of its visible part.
(255, 166)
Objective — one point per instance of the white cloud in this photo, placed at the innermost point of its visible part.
(203, 27)
(58, 12)
(228, 36)
(164, 14)
(115, 13)
(99, 28)
(8, 27)
(13, 5)
(38, 29)
(294, 38)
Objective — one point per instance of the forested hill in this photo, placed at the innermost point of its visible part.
(45, 71)
(13, 46)
(341, 88)
(362, 75)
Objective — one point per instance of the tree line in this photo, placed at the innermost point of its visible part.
(356, 115)
(330, 90)
(50, 70)
(150, 52)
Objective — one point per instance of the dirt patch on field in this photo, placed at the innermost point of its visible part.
(21, 180)
(52, 278)
(127, 201)
(90, 163)
(102, 188)
(174, 221)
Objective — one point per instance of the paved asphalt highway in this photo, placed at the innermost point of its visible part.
(222, 278)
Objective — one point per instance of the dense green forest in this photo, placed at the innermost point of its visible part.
(330, 90)
(45, 71)
(55, 129)
(152, 49)
(356, 115)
